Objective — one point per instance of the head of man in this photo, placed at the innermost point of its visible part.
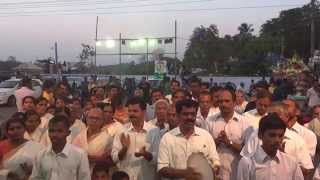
(136, 110)
(205, 102)
(316, 112)
(226, 101)
(161, 108)
(187, 113)
(240, 97)
(26, 82)
(108, 111)
(271, 132)
(178, 96)
(215, 93)
(172, 118)
(264, 100)
(293, 110)
(59, 129)
(95, 119)
(113, 91)
(156, 94)
(205, 86)
(174, 85)
(41, 106)
(195, 86)
(281, 109)
(99, 93)
(28, 103)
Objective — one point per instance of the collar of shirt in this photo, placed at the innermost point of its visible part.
(262, 156)
(64, 153)
(255, 113)
(146, 127)
(176, 132)
(235, 117)
(295, 128)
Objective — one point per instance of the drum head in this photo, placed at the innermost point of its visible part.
(200, 164)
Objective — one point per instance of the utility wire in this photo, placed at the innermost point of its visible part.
(116, 7)
(36, 13)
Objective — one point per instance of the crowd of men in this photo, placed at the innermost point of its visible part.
(258, 134)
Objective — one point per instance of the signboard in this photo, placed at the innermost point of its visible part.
(160, 69)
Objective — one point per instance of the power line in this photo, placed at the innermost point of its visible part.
(117, 7)
(147, 11)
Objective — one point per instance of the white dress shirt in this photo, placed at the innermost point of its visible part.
(307, 135)
(202, 122)
(113, 128)
(175, 149)
(237, 129)
(136, 167)
(294, 146)
(260, 166)
(240, 108)
(169, 97)
(253, 118)
(70, 164)
(75, 129)
(313, 96)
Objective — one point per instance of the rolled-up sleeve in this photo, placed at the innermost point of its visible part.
(164, 153)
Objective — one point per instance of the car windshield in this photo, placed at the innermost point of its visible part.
(8, 84)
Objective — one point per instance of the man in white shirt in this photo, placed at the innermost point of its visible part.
(130, 148)
(268, 162)
(172, 118)
(61, 160)
(307, 135)
(174, 86)
(264, 100)
(111, 126)
(194, 85)
(205, 110)
(179, 95)
(178, 144)
(229, 130)
(313, 94)
(241, 102)
(24, 91)
(293, 144)
(156, 94)
(161, 108)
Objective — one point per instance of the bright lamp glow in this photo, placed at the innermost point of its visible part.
(110, 43)
(152, 42)
(141, 42)
(98, 43)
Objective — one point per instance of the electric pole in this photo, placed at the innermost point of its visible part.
(312, 30)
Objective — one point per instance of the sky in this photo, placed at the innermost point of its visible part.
(29, 28)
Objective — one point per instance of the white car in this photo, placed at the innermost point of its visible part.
(8, 87)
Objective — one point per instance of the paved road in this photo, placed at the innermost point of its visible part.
(6, 112)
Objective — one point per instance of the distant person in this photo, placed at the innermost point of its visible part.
(100, 172)
(205, 86)
(174, 86)
(61, 161)
(194, 85)
(24, 90)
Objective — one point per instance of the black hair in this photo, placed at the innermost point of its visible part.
(188, 103)
(205, 84)
(215, 89)
(29, 97)
(15, 120)
(103, 105)
(41, 99)
(65, 111)
(174, 81)
(262, 93)
(137, 100)
(233, 94)
(194, 79)
(47, 84)
(270, 121)
(179, 91)
(156, 90)
(205, 93)
(98, 167)
(60, 118)
(116, 101)
(119, 175)
(32, 113)
(26, 82)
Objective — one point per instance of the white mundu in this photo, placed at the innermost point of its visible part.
(260, 166)
(175, 149)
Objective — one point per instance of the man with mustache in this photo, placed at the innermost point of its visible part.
(229, 130)
(268, 162)
(130, 147)
(178, 144)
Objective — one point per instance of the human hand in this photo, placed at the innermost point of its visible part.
(125, 140)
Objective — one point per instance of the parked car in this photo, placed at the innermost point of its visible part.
(8, 87)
